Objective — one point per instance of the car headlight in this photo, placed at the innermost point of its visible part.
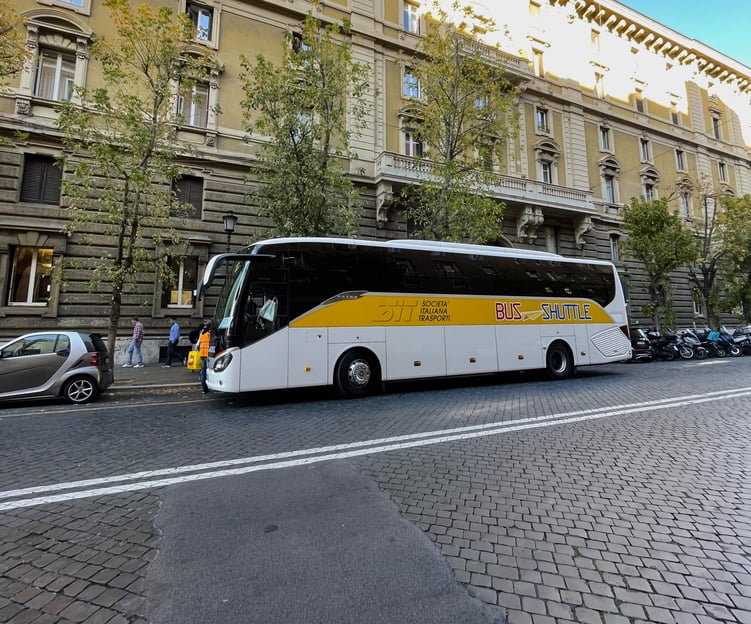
(222, 362)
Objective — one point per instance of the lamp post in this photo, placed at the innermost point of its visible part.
(230, 221)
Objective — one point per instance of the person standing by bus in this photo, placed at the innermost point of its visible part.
(204, 344)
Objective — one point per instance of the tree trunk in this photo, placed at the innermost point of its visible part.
(114, 322)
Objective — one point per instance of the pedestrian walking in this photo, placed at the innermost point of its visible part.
(204, 345)
(135, 344)
(174, 338)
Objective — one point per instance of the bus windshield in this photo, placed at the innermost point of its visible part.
(227, 305)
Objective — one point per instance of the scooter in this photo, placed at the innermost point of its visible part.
(664, 347)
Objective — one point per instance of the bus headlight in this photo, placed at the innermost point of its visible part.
(222, 362)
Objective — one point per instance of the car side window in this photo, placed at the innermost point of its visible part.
(32, 345)
(62, 347)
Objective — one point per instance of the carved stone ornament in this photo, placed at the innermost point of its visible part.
(23, 106)
(582, 225)
(384, 201)
(527, 223)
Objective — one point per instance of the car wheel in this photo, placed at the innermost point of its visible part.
(357, 374)
(559, 363)
(79, 390)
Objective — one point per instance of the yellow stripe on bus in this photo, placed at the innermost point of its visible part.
(374, 310)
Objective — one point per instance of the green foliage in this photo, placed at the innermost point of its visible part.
(122, 146)
(12, 49)
(661, 243)
(309, 107)
(735, 260)
(465, 116)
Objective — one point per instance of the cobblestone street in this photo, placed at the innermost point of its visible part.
(574, 506)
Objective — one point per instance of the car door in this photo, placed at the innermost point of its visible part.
(31, 361)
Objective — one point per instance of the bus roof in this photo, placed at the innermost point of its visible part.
(423, 245)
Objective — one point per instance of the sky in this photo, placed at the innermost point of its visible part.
(719, 25)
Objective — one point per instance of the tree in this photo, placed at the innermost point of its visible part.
(12, 50)
(464, 115)
(123, 147)
(309, 107)
(735, 262)
(723, 232)
(661, 243)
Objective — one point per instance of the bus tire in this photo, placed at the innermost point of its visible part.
(559, 362)
(357, 374)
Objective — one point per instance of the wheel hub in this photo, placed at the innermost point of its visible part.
(359, 373)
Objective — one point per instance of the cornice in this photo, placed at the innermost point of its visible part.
(658, 38)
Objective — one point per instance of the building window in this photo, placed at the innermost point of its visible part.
(599, 85)
(605, 138)
(193, 105)
(546, 172)
(675, 116)
(203, 19)
(609, 188)
(649, 190)
(595, 39)
(615, 240)
(55, 75)
(31, 276)
(180, 293)
(541, 120)
(411, 84)
(413, 146)
(645, 150)
(698, 304)
(716, 126)
(684, 200)
(537, 63)
(189, 191)
(680, 160)
(410, 18)
(639, 97)
(722, 171)
(41, 180)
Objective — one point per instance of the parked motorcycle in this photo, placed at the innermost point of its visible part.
(725, 338)
(710, 340)
(689, 338)
(664, 346)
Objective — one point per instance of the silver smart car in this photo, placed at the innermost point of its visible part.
(71, 364)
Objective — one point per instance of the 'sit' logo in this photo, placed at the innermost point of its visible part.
(400, 311)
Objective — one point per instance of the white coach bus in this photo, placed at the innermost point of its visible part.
(296, 312)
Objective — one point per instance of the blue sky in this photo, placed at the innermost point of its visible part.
(722, 26)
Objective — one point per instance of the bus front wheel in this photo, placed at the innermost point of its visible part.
(357, 374)
(559, 361)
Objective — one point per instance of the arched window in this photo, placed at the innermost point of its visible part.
(58, 44)
(650, 180)
(610, 171)
(547, 153)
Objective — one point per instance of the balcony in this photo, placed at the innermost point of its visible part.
(400, 169)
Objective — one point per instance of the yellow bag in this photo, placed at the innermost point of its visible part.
(194, 360)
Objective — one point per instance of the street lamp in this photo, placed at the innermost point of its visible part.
(230, 221)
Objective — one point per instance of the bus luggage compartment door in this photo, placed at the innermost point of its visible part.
(308, 356)
(414, 352)
(470, 349)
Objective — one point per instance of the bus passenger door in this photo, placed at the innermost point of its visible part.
(308, 356)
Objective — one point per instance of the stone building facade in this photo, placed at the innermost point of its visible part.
(613, 106)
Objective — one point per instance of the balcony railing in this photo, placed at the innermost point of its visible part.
(404, 169)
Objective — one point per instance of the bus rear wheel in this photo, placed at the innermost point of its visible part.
(559, 361)
(357, 374)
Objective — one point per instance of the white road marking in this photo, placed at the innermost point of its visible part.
(146, 479)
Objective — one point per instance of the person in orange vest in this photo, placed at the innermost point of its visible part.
(204, 344)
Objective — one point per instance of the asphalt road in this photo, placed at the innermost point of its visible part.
(622, 495)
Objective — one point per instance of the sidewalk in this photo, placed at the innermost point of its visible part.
(154, 376)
